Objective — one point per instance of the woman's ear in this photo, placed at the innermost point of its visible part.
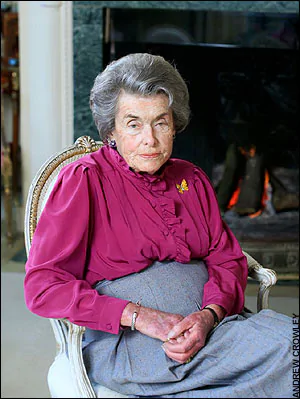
(111, 136)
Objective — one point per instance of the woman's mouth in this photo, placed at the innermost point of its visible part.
(150, 156)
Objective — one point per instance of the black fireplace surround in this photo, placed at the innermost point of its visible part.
(243, 93)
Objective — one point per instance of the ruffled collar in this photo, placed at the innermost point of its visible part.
(156, 181)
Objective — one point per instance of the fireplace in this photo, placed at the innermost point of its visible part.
(242, 72)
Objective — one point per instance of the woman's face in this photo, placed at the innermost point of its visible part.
(144, 131)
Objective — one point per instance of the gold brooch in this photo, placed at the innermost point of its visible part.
(182, 187)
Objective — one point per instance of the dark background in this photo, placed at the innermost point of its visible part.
(253, 74)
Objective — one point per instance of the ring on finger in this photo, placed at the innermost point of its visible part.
(189, 359)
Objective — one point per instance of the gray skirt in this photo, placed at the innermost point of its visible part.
(246, 356)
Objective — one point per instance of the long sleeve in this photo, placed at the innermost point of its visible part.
(54, 284)
(225, 261)
(104, 221)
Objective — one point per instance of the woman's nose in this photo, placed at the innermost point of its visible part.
(149, 137)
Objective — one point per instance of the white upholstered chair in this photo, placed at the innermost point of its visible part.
(67, 377)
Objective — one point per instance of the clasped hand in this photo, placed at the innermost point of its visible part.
(182, 336)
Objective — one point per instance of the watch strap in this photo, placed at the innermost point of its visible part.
(213, 312)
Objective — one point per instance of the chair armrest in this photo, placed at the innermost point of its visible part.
(75, 354)
(266, 277)
(69, 342)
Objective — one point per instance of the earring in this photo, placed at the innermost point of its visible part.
(112, 143)
(174, 136)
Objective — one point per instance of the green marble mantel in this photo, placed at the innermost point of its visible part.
(88, 36)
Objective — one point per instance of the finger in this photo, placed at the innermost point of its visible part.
(183, 336)
(186, 333)
(180, 339)
(179, 329)
(180, 357)
(175, 346)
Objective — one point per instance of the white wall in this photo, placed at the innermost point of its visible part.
(46, 83)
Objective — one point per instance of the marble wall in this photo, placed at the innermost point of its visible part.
(88, 37)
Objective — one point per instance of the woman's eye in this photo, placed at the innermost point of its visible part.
(133, 128)
(162, 126)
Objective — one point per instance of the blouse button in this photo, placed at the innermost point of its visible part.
(166, 232)
(108, 326)
(153, 204)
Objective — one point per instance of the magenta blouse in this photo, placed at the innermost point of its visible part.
(104, 221)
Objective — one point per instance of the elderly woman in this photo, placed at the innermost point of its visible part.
(132, 246)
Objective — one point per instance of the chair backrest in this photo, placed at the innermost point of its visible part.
(45, 179)
(67, 376)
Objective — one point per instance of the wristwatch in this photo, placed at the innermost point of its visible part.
(216, 319)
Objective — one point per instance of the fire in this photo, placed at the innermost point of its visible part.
(235, 196)
(265, 196)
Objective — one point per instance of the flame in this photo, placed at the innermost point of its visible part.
(236, 193)
(235, 196)
(264, 198)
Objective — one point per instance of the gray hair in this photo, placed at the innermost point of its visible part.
(143, 74)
